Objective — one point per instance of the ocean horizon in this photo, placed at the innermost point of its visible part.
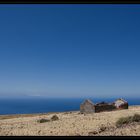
(45, 105)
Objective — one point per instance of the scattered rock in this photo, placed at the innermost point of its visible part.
(102, 128)
(93, 133)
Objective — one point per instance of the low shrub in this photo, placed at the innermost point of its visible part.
(54, 118)
(136, 118)
(127, 120)
(43, 120)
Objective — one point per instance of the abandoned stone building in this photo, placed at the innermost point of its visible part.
(89, 107)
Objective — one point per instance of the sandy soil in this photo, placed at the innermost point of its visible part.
(69, 124)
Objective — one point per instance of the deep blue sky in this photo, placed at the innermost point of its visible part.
(70, 50)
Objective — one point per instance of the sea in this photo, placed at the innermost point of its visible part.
(46, 105)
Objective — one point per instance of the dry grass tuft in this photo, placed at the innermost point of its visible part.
(43, 120)
(127, 120)
(54, 118)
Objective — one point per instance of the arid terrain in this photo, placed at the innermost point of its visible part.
(70, 124)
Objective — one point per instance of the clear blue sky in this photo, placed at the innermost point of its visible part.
(70, 50)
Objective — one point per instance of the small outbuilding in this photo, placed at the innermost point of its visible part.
(121, 104)
(87, 107)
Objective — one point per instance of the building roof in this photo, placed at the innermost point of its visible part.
(122, 100)
(89, 101)
(102, 103)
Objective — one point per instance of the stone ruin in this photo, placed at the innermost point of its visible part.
(89, 107)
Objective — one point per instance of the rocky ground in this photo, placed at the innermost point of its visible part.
(70, 124)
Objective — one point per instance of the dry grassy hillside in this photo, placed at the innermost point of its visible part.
(69, 124)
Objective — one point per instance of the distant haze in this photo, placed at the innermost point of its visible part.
(70, 50)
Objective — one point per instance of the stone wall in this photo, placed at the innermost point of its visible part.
(87, 108)
(123, 106)
(104, 107)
